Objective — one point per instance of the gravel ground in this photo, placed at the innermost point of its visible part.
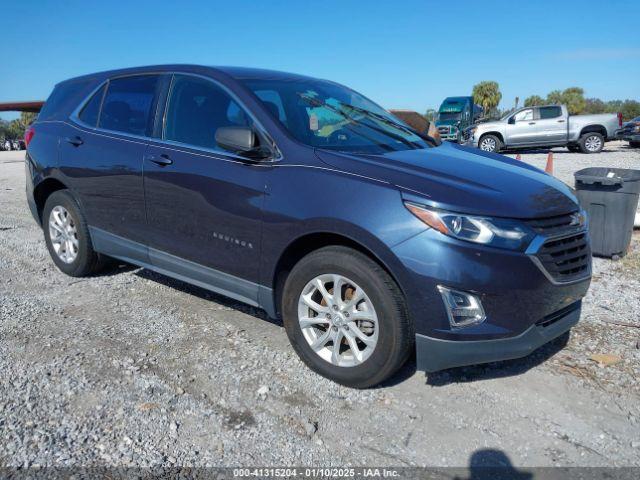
(132, 368)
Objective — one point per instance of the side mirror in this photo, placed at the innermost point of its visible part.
(512, 120)
(241, 140)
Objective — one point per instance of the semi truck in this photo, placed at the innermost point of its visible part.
(456, 114)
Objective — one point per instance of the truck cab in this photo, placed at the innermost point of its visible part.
(454, 115)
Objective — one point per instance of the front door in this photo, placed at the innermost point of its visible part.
(522, 128)
(204, 205)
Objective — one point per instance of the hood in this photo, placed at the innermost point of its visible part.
(465, 180)
(489, 123)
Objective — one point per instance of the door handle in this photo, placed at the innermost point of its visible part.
(162, 160)
(560, 121)
(532, 123)
(75, 141)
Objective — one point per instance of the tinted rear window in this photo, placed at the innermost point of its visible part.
(550, 112)
(91, 110)
(62, 99)
(127, 106)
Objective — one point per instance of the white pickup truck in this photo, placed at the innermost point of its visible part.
(546, 126)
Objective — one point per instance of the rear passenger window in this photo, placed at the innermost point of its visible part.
(197, 108)
(550, 112)
(127, 106)
(91, 110)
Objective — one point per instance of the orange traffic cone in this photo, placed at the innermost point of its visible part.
(518, 157)
(549, 167)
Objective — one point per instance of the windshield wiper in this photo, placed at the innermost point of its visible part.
(391, 122)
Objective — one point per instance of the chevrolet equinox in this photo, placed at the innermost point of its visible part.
(304, 198)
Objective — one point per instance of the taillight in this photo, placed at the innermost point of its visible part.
(28, 135)
(619, 119)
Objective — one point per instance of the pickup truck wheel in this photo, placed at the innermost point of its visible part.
(67, 236)
(634, 144)
(490, 143)
(346, 318)
(591, 142)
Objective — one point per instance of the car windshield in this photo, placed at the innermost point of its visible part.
(326, 115)
(445, 116)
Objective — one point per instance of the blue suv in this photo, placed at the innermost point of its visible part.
(304, 198)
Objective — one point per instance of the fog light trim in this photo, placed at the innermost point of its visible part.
(464, 309)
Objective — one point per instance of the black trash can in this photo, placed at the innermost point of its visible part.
(610, 197)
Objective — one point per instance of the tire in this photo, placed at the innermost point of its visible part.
(76, 260)
(389, 338)
(490, 143)
(591, 142)
(634, 144)
(573, 148)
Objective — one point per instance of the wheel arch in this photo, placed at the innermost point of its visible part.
(43, 190)
(593, 129)
(494, 133)
(310, 242)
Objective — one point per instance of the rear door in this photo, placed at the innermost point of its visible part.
(204, 204)
(101, 154)
(551, 124)
(522, 128)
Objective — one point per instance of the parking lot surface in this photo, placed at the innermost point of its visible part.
(133, 368)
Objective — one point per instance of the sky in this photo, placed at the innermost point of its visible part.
(401, 54)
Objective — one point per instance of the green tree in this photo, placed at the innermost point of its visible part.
(594, 105)
(630, 109)
(533, 100)
(487, 95)
(554, 98)
(573, 98)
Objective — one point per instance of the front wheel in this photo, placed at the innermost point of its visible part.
(346, 317)
(591, 143)
(634, 144)
(490, 143)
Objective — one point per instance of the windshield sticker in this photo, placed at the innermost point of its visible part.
(313, 122)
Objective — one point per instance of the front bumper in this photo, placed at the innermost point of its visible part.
(434, 354)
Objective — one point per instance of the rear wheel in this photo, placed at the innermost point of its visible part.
(490, 143)
(67, 236)
(591, 142)
(346, 318)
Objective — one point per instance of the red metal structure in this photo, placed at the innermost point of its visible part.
(21, 106)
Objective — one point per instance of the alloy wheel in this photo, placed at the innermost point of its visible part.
(338, 320)
(593, 143)
(63, 234)
(488, 144)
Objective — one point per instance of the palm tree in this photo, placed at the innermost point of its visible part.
(487, 95)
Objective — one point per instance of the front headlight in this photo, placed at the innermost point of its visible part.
(495, 232)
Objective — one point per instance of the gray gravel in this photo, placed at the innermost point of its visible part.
(132, 368)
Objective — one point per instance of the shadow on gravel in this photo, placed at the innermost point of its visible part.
(493, 464)
(507, 368)
(205, 295)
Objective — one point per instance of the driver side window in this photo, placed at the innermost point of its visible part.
(524, 115)
(197, 108)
